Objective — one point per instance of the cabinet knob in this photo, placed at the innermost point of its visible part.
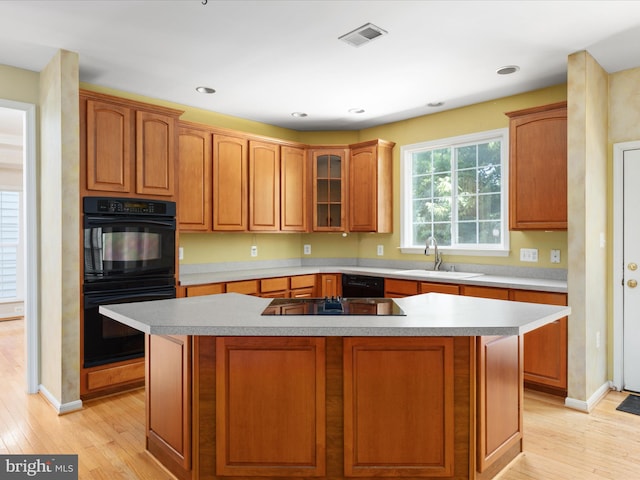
(632, 266)
(632, 283)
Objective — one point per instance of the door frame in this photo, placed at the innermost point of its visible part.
(617, 267)
(31, 253)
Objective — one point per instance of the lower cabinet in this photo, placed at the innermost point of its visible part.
(394, 288)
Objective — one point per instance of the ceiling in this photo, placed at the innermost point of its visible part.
(268, 58)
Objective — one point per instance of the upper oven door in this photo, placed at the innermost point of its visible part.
(124, 246)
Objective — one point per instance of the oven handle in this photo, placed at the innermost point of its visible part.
(101, 221)
(97, 299)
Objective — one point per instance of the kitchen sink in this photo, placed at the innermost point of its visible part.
(439, 274)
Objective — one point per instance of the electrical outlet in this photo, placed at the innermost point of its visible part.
(555, 256)
(528, 254)
(380, 249)
(254, 250)
(180, 253)
(307, 249)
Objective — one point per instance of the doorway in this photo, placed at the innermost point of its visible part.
(28, 263)
(626, 267)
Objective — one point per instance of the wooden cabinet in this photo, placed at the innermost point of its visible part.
(545, 349)
(264, 186)
(127, 147)
(275, 287)
(247, 287)
(485, 292)
(303, 286)
(194, 178)
(329, 189)
(394, 288)
(294, 188)
(168, 401)
(538, 168)
(264, 387)
(209, 289)
(330, 285)
(230, 197)
(371, 187)
(429, 287)
(394, 426)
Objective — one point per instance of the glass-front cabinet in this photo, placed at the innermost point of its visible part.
(329, 189)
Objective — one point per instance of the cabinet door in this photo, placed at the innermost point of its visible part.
(294, 201)
(428, 287)
(264, 186)
(229, 183)
(400, 288)
(371, 188)
(194, 179)
(538, 168)
(155, 154)
(329, 189)
(330, 285)
(485, 292)
(264, 387)
(545, 349)
(109, 147)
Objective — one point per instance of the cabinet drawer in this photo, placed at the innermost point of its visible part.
(115, 375)
(486, 292)
(274, 284)
(403, 287)
(211, 289)
(302, 281)
(428, 287)
(248, 287)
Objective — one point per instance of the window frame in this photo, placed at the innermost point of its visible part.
(497, 250)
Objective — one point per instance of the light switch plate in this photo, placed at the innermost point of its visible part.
(528, 254)
(254, 251)
(307, 249)
(380, 249)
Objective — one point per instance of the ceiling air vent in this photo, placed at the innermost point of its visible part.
(362, 35)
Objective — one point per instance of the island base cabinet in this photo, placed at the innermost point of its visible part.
(398, 407)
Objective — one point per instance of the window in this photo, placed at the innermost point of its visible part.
(9, 228)
(453, 190)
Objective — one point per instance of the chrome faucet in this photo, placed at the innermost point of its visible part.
(438, 257)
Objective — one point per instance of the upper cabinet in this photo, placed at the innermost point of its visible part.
(194, 178)
(127, 147)
(538, 168)
(230, 198)
(371, 187)
(264, 186)
(294, 188)
(329, 189)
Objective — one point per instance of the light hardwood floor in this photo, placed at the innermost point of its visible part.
(108, 434)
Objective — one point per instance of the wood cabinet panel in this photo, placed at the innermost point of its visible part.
(428, 287)
(394, 288)
(274, 284)
(329, 189)
(264, 186)
(109, 146)
(302, 281)
(371, 187)
(194, 179)
(330, 285)
(545, 349)
(266, 386)
(109, 377)
(398, 407)
(168, 400)
(210, 289)
(538, 168)
(247, 287)
(155, 154)
(230, 200)
(485, 292)
(294, 188)
(499, 398)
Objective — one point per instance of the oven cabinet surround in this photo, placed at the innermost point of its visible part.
(433, 394)
(127, 148)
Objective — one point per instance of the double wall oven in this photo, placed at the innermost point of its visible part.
(129, 256)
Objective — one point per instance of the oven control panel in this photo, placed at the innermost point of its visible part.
(129, 206)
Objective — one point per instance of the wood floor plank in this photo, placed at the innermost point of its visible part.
(108, 434)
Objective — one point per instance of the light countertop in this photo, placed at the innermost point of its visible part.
(430, 314)
(522, 283)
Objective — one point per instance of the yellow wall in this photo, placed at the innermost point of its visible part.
(223, 247)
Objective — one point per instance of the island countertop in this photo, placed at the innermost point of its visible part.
(430, 314)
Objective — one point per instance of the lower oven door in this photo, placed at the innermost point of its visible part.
(108, 341)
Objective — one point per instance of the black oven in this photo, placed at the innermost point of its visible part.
(129, 256)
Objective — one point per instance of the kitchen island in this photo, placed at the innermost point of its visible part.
(435, 393)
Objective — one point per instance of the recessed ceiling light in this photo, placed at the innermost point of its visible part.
(299, 114)
(207, 90)
(507, 70)
(356, 110)
(435, 104)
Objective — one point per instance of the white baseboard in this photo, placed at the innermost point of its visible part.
(591, 402)
(61, 408)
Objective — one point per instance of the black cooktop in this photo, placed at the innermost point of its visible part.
(333, 306)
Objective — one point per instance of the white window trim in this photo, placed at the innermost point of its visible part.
(502, 250)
